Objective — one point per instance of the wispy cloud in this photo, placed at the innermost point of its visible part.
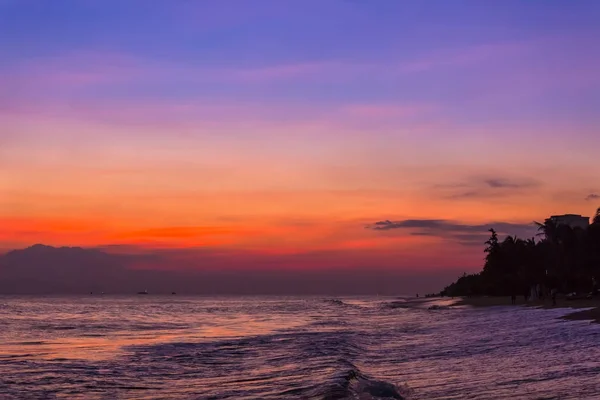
(466, 234)
(210, 114)
(279, 72)
(592, 197)
(97, 67)
(507, 184)
(463, 56)
(483, 187)
(336, 69)
(383, 110)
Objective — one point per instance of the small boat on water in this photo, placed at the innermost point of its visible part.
(144, 292)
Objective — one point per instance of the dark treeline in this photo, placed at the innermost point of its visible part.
(563, 258)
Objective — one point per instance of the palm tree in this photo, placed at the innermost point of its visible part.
(549, 229)
(566, 258)
(596, 219)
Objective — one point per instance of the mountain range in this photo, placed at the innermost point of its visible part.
(41, 269)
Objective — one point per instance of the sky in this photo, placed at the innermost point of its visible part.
(295, 134)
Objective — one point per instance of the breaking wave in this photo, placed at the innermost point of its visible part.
(351, 383)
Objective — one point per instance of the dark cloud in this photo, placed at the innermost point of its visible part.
(507, 184)
(445, 225)
(467, 234)
(487, 187)
(592, 196)
(466, 195)
(422, 233)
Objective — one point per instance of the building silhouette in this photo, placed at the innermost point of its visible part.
(572, 220)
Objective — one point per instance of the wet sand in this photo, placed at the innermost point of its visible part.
(593, 314)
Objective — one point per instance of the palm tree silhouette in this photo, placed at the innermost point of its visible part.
(596, 219)
(566, 258)
(548, 229)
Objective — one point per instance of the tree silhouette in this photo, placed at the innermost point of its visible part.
(565, 258)
(549, 230)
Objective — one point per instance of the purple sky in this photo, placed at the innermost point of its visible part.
(283, 128)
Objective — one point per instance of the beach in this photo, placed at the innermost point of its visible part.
(587, 309)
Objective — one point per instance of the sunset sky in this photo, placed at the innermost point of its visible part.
(254, 133)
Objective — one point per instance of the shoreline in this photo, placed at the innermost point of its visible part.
(591, 312)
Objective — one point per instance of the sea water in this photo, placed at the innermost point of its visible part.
(175, 347)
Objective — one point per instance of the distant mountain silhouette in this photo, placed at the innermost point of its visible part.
(43, 269)
(46, 269)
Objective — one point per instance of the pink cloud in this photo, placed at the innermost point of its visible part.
(283, 71)
(77, 70)
(203, 112)
(55, 85)
(90, 68)
(464, 56)
(386, 110)
(340, 69)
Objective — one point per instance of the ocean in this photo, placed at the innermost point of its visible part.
(175, 347)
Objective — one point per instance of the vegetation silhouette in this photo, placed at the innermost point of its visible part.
(563, 258)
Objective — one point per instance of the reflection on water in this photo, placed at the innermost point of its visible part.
(267, 348)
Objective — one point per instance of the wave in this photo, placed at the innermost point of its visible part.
(351, 383)
(328, 372)
(340, 303)
(397, 304)
(336, 302)
(53, 327)
(438, 307)
(417, 304)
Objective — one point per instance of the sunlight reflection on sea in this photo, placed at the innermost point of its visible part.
(268, 348)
